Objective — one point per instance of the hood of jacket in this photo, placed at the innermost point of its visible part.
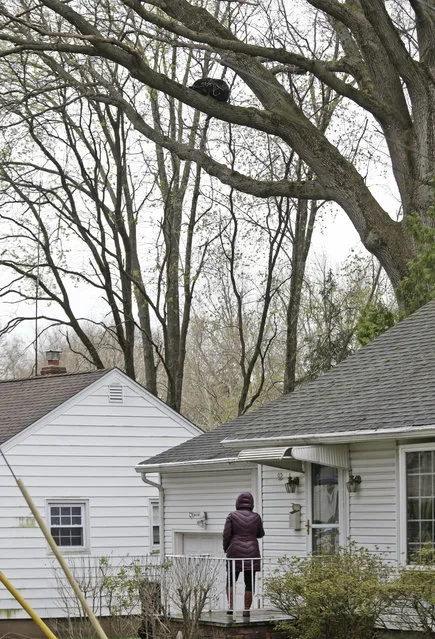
(245, 501)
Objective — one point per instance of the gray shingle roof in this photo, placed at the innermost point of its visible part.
(24, 401)
(386, 385)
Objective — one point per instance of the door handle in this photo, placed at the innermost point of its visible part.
(308, 526)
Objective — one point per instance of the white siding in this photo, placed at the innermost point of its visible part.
(280, 539)
(212, 491)
(86, 450)
(373, 510)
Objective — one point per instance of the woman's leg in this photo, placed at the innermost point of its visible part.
(229, 588)
(249, 576)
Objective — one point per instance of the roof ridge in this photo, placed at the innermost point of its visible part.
(55, 376)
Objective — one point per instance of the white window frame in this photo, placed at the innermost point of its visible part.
(154, 501)
(402, 504)
(84, 505)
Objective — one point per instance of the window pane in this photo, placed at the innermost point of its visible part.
(426, 531)
(55, 533)
(413, 509)
(76, 537)
(413, 531)
(426, 461)
(325, 541)
(155, 513)
(426, 485)
(413, 486)
(420, 482)
(156, 535)
(65, 537)
(412, 462)
(426, 509)
(325, 494)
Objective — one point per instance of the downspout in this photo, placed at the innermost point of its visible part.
(161, 513)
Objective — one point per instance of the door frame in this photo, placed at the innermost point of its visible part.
(343, 506)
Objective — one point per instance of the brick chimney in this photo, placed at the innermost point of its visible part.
(52, 367)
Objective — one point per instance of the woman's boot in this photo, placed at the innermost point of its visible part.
(248, 602)
(230, 601)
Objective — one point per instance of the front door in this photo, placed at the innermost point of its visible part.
(324, 505)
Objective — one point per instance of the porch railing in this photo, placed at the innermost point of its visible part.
(218, 574)
(177, 576)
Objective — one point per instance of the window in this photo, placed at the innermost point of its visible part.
(67, 523)
(325, 509)
(154, 510)
(418, 499)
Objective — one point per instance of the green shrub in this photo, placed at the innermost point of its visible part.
(339, 596)
(413, 594)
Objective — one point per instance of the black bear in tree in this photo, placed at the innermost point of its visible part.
(214, 87)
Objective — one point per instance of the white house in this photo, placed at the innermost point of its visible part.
(74, 440)
(359, 441)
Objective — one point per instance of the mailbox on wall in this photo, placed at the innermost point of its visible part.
(295, 517)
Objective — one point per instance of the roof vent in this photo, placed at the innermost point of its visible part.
(52, 367)
(116, 394)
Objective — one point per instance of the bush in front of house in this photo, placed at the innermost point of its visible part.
(413, 594)
(341, 595)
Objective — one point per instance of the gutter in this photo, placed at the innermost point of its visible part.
(161, 512)
(155, 468)
(344, 437)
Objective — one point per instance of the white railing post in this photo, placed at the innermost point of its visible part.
(234, 582)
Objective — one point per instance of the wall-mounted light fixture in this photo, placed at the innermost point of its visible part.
(291, 484)
(353, 483)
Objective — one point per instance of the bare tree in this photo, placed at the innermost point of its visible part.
(86, 184)
(189, 582)
(338, 305)
(385, 68)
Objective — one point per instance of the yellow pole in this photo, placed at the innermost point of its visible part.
(92, 618)
(45, 629)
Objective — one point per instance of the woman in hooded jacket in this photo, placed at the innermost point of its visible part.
(242, 529)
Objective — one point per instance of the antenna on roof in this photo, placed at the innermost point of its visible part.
(37, 284)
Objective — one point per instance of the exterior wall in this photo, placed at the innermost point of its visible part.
(212, 491)
(280, 539)
(86, 450)
(370, 516)
(373, 510)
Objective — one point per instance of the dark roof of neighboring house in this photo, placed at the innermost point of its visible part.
(386, 385)
(24, 401)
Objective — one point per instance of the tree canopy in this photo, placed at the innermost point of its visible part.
(384, 68)
(101, 126)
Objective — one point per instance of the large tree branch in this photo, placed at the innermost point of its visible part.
(259, 188)
(111, 48)
(425, 22)
(377, 15)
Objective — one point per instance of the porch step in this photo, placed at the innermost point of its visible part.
(219, 625)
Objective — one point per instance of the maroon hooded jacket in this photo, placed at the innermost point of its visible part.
(242, 530)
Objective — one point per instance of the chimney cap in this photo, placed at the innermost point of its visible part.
(52, 367)
(53, 355)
